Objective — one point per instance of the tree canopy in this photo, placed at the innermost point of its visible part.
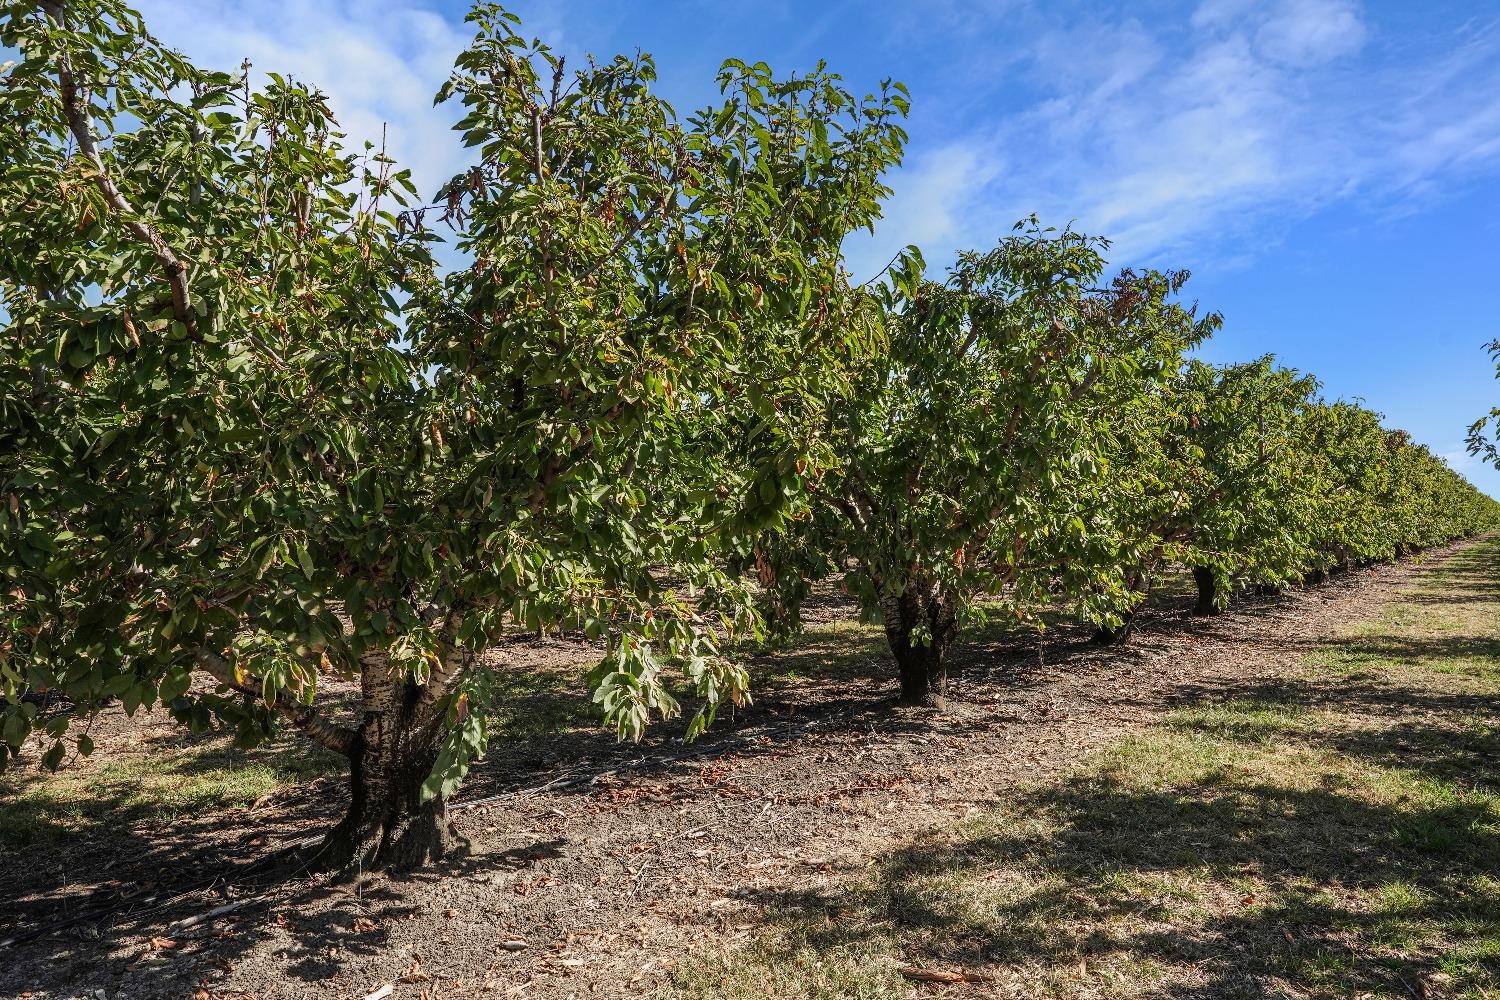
(253, 429)
(976, 450)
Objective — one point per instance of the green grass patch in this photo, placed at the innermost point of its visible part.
(160, 782)
(1323, 838)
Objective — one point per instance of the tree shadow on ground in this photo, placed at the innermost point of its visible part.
(1239, 881)
(1451, 736)
(839, 680)
(1482, 652)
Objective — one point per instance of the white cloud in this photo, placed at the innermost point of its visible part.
(1195, 139)
(927, 205)
(380, 64)
(1307, 32)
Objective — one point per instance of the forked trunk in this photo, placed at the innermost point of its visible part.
(909, 618)
(388, 826)
(1208, 591)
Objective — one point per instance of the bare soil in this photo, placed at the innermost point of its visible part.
(596, 867)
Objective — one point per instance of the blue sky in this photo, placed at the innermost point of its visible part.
(1329, 170)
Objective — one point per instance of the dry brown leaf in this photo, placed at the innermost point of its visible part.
(364, 925)
(414, 973)
(161, 944)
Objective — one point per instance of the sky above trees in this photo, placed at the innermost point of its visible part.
(1329, 169)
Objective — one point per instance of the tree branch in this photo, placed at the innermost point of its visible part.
(75, 110)
(339, 739)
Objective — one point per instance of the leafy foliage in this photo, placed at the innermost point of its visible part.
(251, 428)
(1031, 441)
(977, 452)
(1259, 480)
(255, 437)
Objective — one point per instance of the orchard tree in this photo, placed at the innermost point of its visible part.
(1217, 483)
(1249, 477)
(1378, 494)
(1347, 460)
(973, 454)
(253, 438)
(1426, 502)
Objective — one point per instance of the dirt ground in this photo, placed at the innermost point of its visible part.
(597, 867)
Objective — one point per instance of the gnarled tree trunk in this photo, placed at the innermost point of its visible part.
(922, 665)
(1208, 592)
(388, 826)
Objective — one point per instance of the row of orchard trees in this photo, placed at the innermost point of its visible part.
(253, 437)
(1036, 437)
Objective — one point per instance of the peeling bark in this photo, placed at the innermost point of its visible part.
(388, 825)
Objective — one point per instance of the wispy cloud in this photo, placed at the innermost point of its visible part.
(1200, 137)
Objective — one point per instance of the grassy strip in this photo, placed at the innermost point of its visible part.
(1335, 835)
(155, 782)
(149, 772)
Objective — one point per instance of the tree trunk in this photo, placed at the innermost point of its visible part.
(388, 826)
(923, 666)
(1116, 635)
(1208, 596)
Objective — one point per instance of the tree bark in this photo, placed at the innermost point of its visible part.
(388, 826)
(922, 665)
(1208, 596)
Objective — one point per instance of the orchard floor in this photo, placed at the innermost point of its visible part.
(1296, 798)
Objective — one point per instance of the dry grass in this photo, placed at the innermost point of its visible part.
(156, 779)
(1330, 835)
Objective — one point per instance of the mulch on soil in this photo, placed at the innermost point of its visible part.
(595, 866)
